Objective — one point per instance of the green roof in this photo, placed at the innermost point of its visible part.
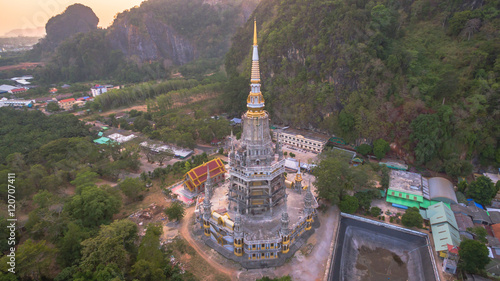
(102, 140)
(401, 201)
(336, 140)
(99, 134)
(404, 195)
(444, 233)
(444, 226)
(439, 213)
(104, 128)
(409, 200)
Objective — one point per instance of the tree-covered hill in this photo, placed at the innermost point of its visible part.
(75, 19)
(147, 42)
(422, 74)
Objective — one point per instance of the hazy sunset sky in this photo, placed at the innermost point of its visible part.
(35, 13)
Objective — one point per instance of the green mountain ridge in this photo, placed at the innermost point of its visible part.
(422, 74)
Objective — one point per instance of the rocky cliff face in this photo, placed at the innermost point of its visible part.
(157, 41)
(179, 31)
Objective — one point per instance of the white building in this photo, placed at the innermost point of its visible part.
(302, 139)
(100, 89)
(16, 103)
(7, 88)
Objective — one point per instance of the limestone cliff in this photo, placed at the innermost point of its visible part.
(157, 41)
(178, 31)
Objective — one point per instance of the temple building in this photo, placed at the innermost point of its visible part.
(195, 179)
(252, 218)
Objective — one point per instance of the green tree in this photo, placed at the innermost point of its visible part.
(147, 271)
(33, 260)
(385, 178)
(426, 132)
(150, 258)
(412, 218)
(457, 22)
(175, 211)
(457, 168)
(365, 198)
(462, 186)
(375, 211)
(482, 190)
(163, 156)
(132, 188)
(140, 123)
(85, 178)
(334, 177)
(473, 256)
(380, 148)
(53, 107)
(479, 233)
(36, 174)
(5, 234)
(461, 197)
(346, 121)
(364, 149)
(349, 204)
(93, 207)
(70, 245)
(114, 245)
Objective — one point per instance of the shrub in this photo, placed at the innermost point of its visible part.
(412, 218)
(349, 204)
(364, 149)
(375, 211)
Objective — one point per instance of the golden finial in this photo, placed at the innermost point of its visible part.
(255, 32)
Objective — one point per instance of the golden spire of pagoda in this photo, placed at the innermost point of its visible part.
(255, 100)
(255, 32)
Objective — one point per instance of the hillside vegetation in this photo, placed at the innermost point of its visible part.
(147, 42)
(422, 74)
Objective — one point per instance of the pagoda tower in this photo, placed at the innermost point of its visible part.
(207, 212)
(256, 174)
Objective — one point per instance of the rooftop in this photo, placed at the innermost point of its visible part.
(18, 90)
(478, 214)
(67, 100)
(463, 221)
(409, 182)
(494, 216)
(307, 134)
(493, 177)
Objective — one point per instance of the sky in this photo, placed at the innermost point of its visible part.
(35, 13)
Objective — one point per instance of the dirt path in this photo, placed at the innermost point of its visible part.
(184, 231)
(23, 65)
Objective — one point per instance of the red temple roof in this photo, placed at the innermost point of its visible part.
(198, 175)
